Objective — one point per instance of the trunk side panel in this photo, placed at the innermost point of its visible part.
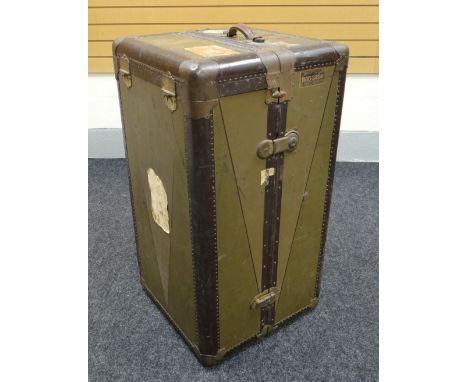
(153, 138)
(132, 100)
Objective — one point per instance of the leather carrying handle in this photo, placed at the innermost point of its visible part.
(244, 29)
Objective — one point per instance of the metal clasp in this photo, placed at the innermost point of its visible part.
(269, 147)
(124, 70)
(267, 297)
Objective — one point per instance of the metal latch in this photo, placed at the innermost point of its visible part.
(267, 297)
(124, 70)
(269, 147)
(169, 91)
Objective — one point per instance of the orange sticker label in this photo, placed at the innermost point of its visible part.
(312, 77)
(211, 51)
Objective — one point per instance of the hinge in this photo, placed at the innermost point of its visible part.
(124, 70)
(267, 297)
(168, 89)
(269, 147)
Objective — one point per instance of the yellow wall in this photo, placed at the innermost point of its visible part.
(354, 22)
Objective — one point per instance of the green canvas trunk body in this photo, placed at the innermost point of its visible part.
(231, 145)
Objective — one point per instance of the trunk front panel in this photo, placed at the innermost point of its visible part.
(240, 123)
(300, 273)
(305, 115)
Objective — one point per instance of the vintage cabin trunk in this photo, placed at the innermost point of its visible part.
(231, 141)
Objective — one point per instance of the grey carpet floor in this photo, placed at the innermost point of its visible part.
(130, 340)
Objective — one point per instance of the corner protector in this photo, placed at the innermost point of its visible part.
(343, 55)
(341, 63)
(314, 302)
(210, 360)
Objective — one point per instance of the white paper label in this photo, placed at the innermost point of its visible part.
(158, 200)
(265, 175)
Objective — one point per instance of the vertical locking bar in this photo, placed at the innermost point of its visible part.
(276, 127)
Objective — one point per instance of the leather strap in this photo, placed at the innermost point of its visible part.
(279, 63)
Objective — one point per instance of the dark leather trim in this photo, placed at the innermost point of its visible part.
(246, 78)
(202, 203)
(315, 55)
(137, 49)
(207, 79)
(331, 173)
(276, 128)
(241, 84)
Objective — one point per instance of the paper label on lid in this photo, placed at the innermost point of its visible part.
(285, 43)
(212, 51)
